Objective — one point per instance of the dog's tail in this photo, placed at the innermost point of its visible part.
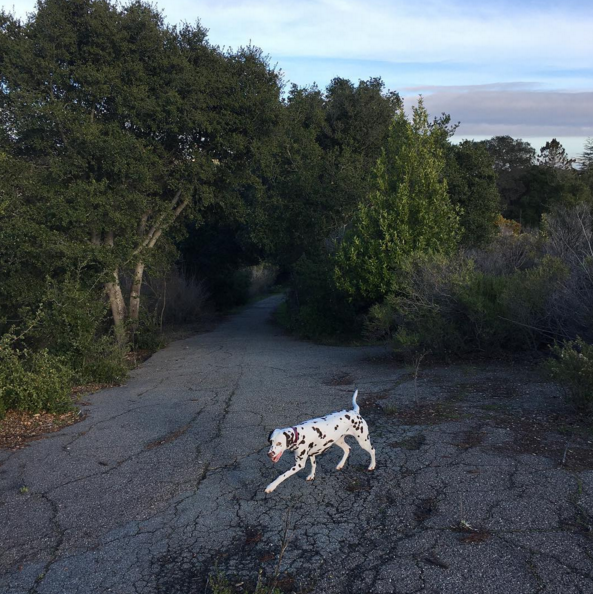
(355, 406)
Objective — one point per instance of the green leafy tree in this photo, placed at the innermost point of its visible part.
(513, 159)
(471, 181)
(547, 188)
(320, 165)
(409, 212)
(125, 125)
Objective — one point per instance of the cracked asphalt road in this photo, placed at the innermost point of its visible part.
(476, 489)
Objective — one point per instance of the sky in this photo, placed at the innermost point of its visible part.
(517, 67)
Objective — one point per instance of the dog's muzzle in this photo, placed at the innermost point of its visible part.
(274, 457)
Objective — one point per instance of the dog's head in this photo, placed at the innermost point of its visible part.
(280, 440)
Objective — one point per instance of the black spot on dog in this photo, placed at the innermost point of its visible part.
(319, 432)
(347, 416)
(310, 445)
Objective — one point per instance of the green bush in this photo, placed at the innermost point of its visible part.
(572, 366)
(528, 303)
(73, 324)
(448, 306)
(32, 381)
(148, 334)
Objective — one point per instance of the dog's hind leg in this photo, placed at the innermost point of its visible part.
(342, 444)
(313, 467)
(364, 441)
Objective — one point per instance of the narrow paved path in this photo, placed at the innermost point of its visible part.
(163, 483)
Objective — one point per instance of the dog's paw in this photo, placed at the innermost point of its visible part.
(371, 468)
(310, 478)
(339, 467)
(269, 488)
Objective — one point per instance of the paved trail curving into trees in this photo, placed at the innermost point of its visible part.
(163, 481)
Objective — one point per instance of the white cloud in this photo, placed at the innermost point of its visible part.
(395, 30)
(516, 113)
(398, 30)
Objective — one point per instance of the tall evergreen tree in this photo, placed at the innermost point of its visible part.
(553, 155)
(409, 211)
(587, 154)
(471, 182)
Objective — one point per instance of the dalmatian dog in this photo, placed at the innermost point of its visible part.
(311, 438)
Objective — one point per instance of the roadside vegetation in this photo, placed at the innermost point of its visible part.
(147, 176)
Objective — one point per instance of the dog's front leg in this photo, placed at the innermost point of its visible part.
(313, 467)
(298, 465)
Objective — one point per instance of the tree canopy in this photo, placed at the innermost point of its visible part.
(408, 212)
(122, 124)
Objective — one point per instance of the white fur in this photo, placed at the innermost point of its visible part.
(316, 436)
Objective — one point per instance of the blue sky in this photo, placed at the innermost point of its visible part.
(522, 67)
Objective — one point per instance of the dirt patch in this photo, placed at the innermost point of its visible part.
(470, 439)
(80, 391)
(415, 442)
(429, 414)
(371, 401)
(340, 379)
(432, 559)
(358, 484)
(19, 428)
(476, 537)
(167, 438)
(252, 535)
(540, 437)
(424, 509)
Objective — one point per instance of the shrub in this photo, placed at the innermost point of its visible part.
(572, 366)
(449, 306)
(507, 253)
(175, 298)
(73, 325)
(32, 381)
(148, 334)
(527, 303)
(263, 277)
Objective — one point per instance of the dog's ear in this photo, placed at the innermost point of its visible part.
(270, 436)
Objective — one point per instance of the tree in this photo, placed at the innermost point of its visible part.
(587, 154)
(126, 125)
(513, 159)
(471, 182)
(320, 165)
(550, 184)
(553, 155)
(409, 211)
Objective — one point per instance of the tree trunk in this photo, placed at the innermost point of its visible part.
(118, 307)
(135, 294)
(116, 300)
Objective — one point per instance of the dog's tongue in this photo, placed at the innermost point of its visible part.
(276, 458)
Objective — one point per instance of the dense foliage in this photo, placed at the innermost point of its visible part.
(142, 168)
